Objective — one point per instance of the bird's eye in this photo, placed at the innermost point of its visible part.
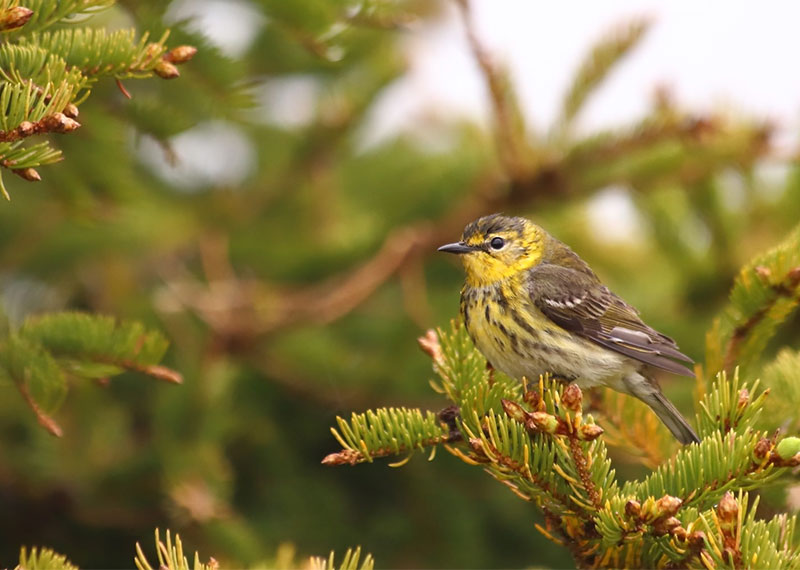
(497, 243)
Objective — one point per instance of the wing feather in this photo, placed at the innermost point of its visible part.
(579, 303)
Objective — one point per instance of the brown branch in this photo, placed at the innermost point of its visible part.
(45, 420)
(153, 370)
(240, 310)
(582, 467)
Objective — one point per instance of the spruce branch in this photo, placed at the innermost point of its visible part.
(46, 350)
(700, 474)
(81, 340)
(28, 108)
(764, 294)
(43, 559)
(21, 160)
(386, 432)
(538, 442)
(602, 58)
(44, 75)
(502, 446)
(733, 538)
(170, 556)
(55, 123)
(728, 407)
(45, 13)
(30, 63)
(352, 561)
(97, 52)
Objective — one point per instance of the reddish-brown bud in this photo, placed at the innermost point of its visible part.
(542, 421)
(29, 174)
(429, 343)
(26, 129)
(180, 54)
(533, 398)
(14, 18)
(679, 533)
(59, 123)
(668, 505)
(572, 398)
(589, 432)
(762, 448)
(71, 111)
(667, 525)
(633, 509)
(744, 398)
(166, 70)
(513, 410)
(727, 511)
(697, 539)
(343, 457)
(152, 50)
(764, 273)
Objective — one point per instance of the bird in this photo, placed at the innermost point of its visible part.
(531, 305)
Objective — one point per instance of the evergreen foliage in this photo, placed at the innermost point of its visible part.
(171, 557)
(766, 292)
(350, 562)
(539, 444)
(252, 212)
(47, 350)
(43, 559)
(547, 453)
(45, 74)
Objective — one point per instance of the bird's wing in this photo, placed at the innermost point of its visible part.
(580, 304)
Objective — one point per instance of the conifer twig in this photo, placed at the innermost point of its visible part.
(787, 287)
(44, 420)
(581, 466)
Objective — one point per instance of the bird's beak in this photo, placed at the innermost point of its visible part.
(459, 247)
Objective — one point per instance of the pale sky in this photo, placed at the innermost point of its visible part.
(735, 54)
(711, 54)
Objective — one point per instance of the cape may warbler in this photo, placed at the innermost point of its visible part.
(531, 306)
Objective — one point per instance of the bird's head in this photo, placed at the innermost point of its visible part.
(496, 247)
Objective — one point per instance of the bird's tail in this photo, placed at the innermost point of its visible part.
(673, 419)
(649, 393)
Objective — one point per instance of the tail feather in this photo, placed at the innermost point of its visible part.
(648, 392)
(672, 418)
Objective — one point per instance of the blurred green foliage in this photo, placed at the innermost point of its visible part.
(292, 286)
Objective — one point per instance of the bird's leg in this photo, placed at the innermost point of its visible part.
(490, 368)
(448, 416)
